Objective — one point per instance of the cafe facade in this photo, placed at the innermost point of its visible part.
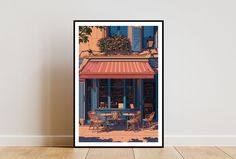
(120, 83)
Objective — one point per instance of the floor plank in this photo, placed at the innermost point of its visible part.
(18, 152)
(42, 153)
(150, 153)
(110, 153)
(202, 153)
(64, 153)
(231, 151)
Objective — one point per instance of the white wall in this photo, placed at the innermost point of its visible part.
(36, 67)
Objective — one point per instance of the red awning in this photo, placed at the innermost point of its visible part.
(116, 70)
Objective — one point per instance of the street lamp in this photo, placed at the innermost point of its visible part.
(150, 43)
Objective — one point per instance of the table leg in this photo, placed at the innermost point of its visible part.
(107, 124)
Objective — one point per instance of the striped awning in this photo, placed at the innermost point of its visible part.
(116, 70)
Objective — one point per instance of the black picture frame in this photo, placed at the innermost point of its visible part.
(74, 54)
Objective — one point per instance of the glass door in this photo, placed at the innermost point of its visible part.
(148, 96)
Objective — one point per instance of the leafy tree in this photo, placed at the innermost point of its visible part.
(86, 31)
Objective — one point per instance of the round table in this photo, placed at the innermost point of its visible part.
(128, 116)
(106, 115)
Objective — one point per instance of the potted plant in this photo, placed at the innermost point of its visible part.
(116, 44)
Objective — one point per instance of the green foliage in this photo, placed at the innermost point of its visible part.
(116, 43)
(85, 32)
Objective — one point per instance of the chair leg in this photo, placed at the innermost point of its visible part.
(97, 127)
(93, 126)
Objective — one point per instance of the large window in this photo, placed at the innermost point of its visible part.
(148, 31)
(118, 30)
(122, 93)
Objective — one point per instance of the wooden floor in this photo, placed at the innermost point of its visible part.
(117, 153)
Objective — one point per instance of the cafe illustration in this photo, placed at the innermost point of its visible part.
(118, 79)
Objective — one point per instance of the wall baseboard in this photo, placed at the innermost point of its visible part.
(67, 140)
(36, 140)
(200, 140)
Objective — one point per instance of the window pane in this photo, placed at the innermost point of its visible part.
(130, 93)
(118, 30)
(117, 92)
(136, 39)
(103, 93)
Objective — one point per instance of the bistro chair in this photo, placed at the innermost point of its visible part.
(148, 119)
(91, 116)
(94, 120)
(135, 121)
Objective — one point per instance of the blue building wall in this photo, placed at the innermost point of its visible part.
(156, 96)
(81, 100)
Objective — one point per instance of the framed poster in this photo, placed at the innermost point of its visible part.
(118, 83)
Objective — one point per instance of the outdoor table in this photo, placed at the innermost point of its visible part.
(106, 115)
(128, 116)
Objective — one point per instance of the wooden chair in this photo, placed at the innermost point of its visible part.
(135, 121)
(91, 116)
(94, 120)
(148, 119)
